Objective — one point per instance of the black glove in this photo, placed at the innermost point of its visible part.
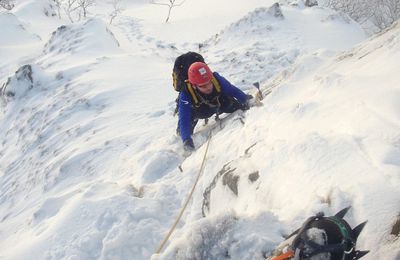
(188, 145)
(245, 106)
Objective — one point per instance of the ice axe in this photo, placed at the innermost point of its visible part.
(259, 95)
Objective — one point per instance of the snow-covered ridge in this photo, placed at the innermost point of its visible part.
(89, 39)
(13, 32)
(269, 40)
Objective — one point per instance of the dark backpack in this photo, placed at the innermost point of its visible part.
(335, 235)
(181, 67)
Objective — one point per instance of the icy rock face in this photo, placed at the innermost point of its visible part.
(310, 3)
(19, 84)
(229, 179)
(396, 228)
(232, 180)
(26, 79)
(275, 10)
(7, 5)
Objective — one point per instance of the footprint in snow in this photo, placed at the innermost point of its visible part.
(157, 113)
(160, 163)
(51, 207)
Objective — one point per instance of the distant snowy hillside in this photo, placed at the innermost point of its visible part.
(79, 43)
(91, 167)
(268, 40)
(15, 42)
(13, 32)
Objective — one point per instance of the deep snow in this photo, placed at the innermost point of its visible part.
(89, 157)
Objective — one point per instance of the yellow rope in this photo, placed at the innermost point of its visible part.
(160, 248)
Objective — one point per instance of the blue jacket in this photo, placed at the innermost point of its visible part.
(186, 106)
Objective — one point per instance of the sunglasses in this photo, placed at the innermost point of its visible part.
(207, 85)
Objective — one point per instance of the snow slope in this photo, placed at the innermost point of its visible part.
(15, 41)
(89, 158)
(326, 138)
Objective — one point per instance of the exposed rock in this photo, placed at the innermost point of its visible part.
(19, 84)
(27, 80)
(8, 5)
(276, 11)
(207, 192)
(254, 176)
(396, 227)
(310, 3)
(231, 180)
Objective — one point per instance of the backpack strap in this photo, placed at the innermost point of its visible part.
(216, 84)
(191, 91)
(175, 81)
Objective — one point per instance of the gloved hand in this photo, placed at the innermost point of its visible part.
(248, 103)
(188, 145)
(245, 106)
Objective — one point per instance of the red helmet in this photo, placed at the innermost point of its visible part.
(199, 73)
